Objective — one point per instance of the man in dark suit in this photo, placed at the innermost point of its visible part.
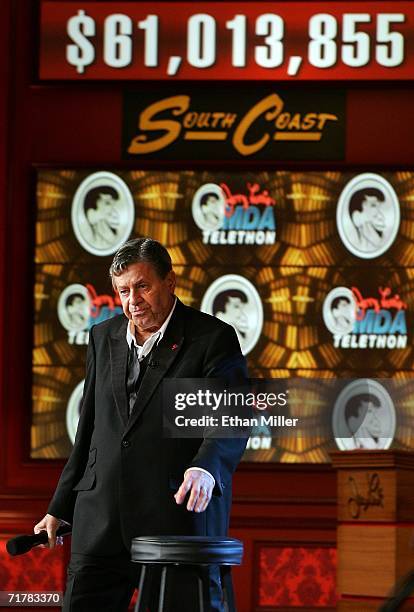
(123, 478)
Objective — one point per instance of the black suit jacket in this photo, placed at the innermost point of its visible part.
(121, 476)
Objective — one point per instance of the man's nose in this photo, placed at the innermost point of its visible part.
(134, 298)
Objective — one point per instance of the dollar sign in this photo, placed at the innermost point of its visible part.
(82, 53)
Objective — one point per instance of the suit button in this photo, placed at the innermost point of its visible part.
(126, 443)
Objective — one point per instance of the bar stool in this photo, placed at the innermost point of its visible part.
(193, 551)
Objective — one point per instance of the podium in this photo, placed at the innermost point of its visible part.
(375, 534)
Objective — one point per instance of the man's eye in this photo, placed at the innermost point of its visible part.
(123, 292)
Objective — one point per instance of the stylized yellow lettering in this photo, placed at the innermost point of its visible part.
(190, 120)
(295, 122)
(309, 121)
(282, 121)
(139, 144)
(270, 106)
(216, 118)
(203, 120)
(228, 120)
(323, 118)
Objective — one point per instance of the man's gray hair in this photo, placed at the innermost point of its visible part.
(141, 250)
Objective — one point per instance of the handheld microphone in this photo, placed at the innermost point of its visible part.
(23, 543)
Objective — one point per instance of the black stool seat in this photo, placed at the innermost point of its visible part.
(188, 550)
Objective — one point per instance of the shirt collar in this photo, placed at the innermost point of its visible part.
(155, 337)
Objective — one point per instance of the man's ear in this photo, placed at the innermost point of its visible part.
(353, 424)
(357, 218)
(171, 281)
(92, 216)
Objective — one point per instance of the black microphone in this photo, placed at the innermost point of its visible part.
(23, 543)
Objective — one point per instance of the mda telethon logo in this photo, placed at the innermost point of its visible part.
(227, 218)
(368, 215)
(359, 321)
(80, 306)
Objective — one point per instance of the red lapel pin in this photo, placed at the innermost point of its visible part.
(174, 346)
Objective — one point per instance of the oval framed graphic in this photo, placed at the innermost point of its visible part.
(364, 416)
(73, 410)
(208, 207)
(368, 215)
(340, 310)
(103, 213)
(234, 299)
(74, 308)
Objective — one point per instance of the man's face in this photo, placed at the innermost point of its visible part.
(234, 311)
(343, 309)
(212, 206)
(372, 213)
(146, 298)
(78, 306)
(368, 412)
(106, 210)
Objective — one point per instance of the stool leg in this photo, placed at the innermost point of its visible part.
(162, 589)
(144, 590)
(228, 591)
(200, 584)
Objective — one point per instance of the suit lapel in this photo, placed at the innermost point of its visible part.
(119, 359)
(162, 358)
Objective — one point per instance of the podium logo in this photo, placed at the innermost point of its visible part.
(233, 299)
(364, 416)
(374, 495)
(102, 213)
(368, 215)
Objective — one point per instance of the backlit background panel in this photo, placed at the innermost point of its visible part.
(51, 391)
(304, 206)
(325, 291)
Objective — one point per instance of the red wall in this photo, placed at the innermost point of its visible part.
(285, 514)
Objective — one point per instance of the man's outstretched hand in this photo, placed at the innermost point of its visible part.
(201, 486)
(50, 524)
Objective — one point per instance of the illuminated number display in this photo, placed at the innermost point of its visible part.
(106, 40)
